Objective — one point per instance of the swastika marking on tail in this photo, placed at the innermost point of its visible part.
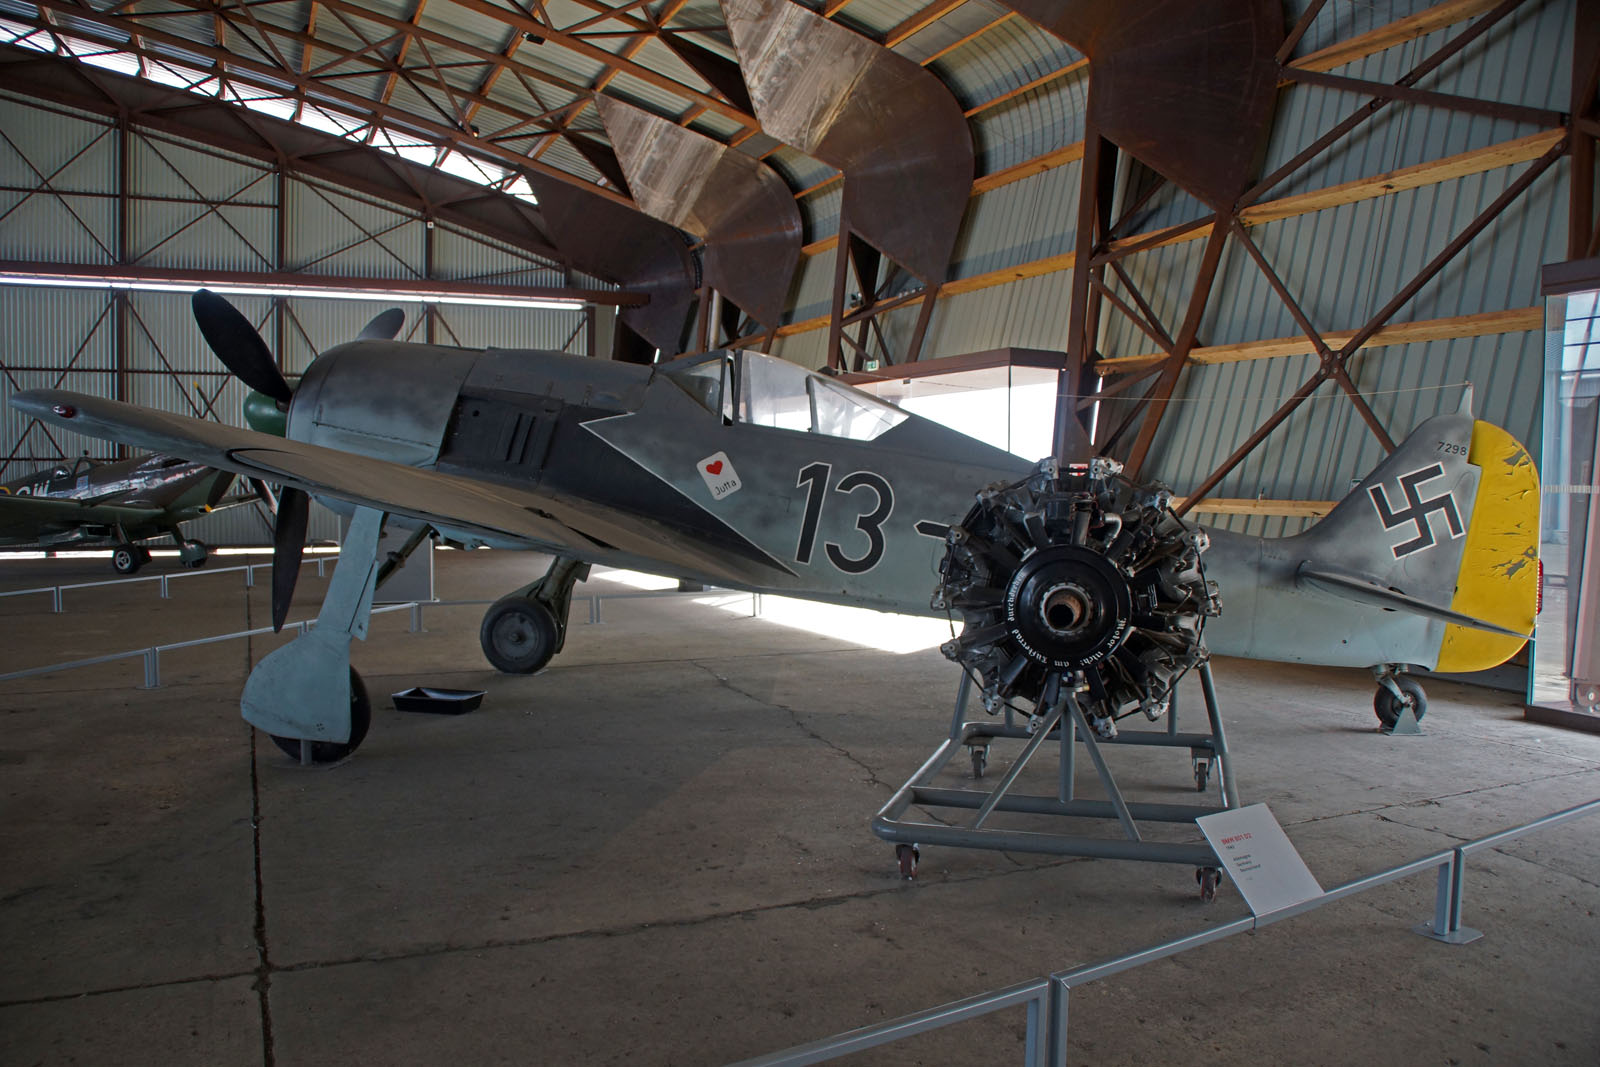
(1417, 510)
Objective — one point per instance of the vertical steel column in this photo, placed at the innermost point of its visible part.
(122, 324)
(1582, 236)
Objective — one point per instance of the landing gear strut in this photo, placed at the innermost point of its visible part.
(522, 631)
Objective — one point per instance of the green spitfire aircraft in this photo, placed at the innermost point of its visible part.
(85, 504)
(740, 470)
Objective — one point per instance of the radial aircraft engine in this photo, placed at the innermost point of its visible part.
(740, 470)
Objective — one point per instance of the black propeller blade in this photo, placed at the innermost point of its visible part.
(237, 344)
(384, 327)
(288, 545)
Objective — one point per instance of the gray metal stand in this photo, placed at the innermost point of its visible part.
(1059, 719)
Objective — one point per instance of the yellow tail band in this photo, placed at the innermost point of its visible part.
(1499, 577)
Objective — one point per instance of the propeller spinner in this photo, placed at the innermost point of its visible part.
(241, 349)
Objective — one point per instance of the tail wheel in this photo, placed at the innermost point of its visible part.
(1388, 707)
(519, 635)
(334, 751)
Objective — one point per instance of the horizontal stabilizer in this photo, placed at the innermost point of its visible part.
(1365, 590)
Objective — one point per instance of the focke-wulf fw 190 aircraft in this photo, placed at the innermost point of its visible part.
(120, 503)
(742, 470)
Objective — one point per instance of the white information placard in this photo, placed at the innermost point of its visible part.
(1260, 859)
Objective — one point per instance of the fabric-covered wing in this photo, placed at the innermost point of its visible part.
(28, 518)
(541, 520)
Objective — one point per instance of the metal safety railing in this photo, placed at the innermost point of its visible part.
(1047, 998)
(57, 600)
(152, 655)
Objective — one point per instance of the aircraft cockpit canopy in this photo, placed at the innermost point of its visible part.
(765, 391)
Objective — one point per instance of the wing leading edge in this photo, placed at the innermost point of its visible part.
(537, 519)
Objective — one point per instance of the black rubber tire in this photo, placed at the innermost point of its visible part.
(333, 751)
(127, 559)
(518, 635)
(1388, 708)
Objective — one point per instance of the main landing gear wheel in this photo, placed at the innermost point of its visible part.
(519, 635)
(193, 554)
(333, 751)
(1388, 707)
(1208, 878)
(127, 559)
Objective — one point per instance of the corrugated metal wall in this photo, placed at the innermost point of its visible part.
(194, 208)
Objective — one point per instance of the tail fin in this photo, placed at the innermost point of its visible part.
(1450, 522)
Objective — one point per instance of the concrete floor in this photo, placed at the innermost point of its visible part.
(656, 852)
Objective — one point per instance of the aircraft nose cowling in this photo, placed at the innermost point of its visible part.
(380, 398)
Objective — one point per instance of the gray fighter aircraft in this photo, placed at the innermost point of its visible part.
(737, 469)
(120, 503)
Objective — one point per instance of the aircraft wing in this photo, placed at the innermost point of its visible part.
(540, 519)
(1365, 590)
(27, 518)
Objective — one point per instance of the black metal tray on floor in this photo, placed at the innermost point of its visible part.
(438, 701)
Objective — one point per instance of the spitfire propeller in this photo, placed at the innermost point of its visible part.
(241, 349)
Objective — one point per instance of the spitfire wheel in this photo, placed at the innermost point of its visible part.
(333, 751)
(1389, 707)
(193, 554)
(519, 635)
(127, 559)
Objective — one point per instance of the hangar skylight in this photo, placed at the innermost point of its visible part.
(287, 105)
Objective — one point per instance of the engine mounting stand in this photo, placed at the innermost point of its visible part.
(1059, 718)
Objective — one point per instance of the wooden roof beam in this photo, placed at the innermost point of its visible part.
(1452, 328)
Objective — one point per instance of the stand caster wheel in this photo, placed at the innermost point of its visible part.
(980, 760)
(1202, 774)
(908, 856)
(1209, 878)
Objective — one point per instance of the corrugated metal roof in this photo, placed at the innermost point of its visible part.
(1027, 220)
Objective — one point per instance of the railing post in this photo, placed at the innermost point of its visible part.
(249, 575)
(1057, 1025)
(55, 600)
(1033, 1043)
(164, 592)
(594, 610)
(416, 616)
(152, 668)
(1446, 922)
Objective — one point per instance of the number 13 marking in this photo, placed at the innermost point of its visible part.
(870, 522)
